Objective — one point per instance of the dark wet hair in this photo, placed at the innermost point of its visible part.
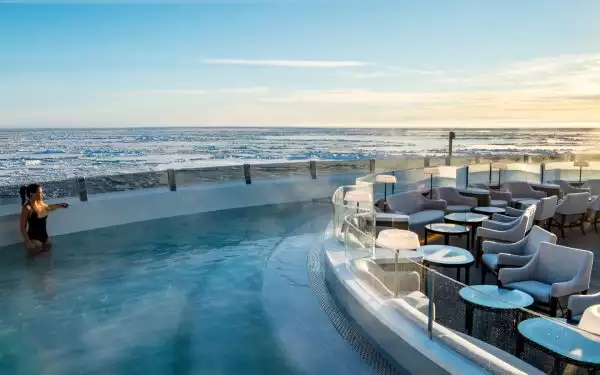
(26, 191)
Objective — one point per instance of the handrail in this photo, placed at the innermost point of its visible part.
(173, 178)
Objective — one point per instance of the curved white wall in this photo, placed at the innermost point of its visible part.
(104, 210)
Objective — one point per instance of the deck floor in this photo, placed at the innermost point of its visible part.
(495, 327)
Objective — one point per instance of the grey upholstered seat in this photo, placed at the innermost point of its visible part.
(454, 200)
(554, 271)
(497, 255)
(421, 211)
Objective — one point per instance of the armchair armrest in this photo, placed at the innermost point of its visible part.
(497, 225)
(512, 275)
(469, 201)
(503, 218)
(578, 303)
(538, 194)
(514, 212)
(566, 288)
(513, 260)
(437, 204)
(501, 235)
(491, 247)
(501, 195)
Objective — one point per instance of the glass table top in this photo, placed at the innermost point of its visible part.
(466, 217)
(489, 210)
(496, 298)
(446, 228)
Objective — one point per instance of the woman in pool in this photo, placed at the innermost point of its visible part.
(33, 218)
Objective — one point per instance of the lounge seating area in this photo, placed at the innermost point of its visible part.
(520, 250)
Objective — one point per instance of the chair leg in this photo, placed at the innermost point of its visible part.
(549, 224)
(581, 225)
(562, 225)
(483, 274)
(553, 307)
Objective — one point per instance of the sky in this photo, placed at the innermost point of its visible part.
(301, 63)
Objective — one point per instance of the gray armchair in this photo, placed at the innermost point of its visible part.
(498, 198)
(554, 272)
(505, 232)
(579, 303)
(594, 212)
(593, 185)
(455, 202)
(498, 255)
(521, 190)
(574, 205)
(567, 188)
(421, 211)
(544, 213)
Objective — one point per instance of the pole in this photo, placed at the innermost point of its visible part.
(490, 173)
(580, 168)
(451, 136)
(499, 173)
(431, 186)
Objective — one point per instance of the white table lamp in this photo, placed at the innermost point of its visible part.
(385, 179)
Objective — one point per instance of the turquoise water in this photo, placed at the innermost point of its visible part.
(171, 296)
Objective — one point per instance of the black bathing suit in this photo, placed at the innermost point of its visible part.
(36, 227)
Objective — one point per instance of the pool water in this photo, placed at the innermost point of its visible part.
(170, 296)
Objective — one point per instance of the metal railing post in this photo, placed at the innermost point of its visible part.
(394, 184)
(430, 295)
(247, 175)
(467, 177)
(542, 172)
(82, 187)
(372, 165)
(171, 179)
(313, 169)
(490, 173)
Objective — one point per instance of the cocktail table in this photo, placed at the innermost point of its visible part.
(448, 257)
(448, 230)
(564, 343)
(488, 210)
(469, 219)
(492, 298)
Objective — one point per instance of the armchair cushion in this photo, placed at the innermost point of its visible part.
(499, 203)
(538, 290)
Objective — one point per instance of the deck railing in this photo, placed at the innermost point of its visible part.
(408, 172)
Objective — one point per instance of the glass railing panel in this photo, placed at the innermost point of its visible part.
(280, 170)
(521, 172)
(386, 165)
(125, 182)
(480, 174)
(9, 194)
(343, 166)
(209, 174)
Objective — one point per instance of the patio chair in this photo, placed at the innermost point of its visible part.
(498, 198)
(498, 255)
(521, 190)
(554, 272)
(504, 232)
(420, 210)
(567, 188)
(573, 205)
(544, 213)
(593, 185)
(455, 202)
(579, 303)
(594, 212)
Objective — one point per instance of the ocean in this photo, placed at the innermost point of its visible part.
(53, 154)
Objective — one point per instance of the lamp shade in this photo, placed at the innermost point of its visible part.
(359, 196)
(581, 163)
(431, 170)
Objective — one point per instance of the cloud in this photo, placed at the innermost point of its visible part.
(245, 90)
(288, 63)
(395, 72)
(165, 92)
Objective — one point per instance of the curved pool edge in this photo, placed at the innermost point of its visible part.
(299, 310)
